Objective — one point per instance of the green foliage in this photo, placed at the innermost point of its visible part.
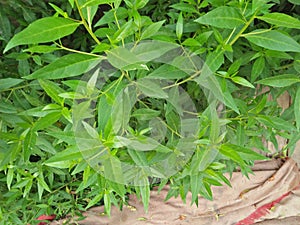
(100, 99)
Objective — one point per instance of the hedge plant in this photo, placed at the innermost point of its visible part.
(104, 98)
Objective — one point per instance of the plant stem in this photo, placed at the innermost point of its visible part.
(243, 29)
(184, 81)
(86, 25)
(76, 51)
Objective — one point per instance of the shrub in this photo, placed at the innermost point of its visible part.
(107, 98)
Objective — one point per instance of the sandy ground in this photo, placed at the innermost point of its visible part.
(270, 196)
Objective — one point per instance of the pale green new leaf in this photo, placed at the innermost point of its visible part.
(66, 66)
(280, 80)
(179, 26)
(222, 17)
(152, 30)
(242, 81)
(53, 90)
(41, 49)
(280, 19)
(273, 40)
(42, 31)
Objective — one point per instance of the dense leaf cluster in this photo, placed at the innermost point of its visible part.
(102, 98)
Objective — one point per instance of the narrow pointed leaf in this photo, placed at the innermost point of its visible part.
(273, 40)
(222, 17)
(152, 30)
(242, 81)
(7, 83)
(52, 90)
(42, 31)
(280, 80)
(151, 88)
(281, 19)
(122, 58)
(67, 66)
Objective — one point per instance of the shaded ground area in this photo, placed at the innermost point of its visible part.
(270, 196)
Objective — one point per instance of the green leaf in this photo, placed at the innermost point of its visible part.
(121, 110)
(281, 20)
(71, 153)
(29, 143)
(59, 10)
(52, 90)
(126, 30)
(179, 26)
(109, 16)
(141, 143)
(153, 50)
(41, 49)
(145, 193)
(151, 88)
(242, 81)
(46, 121)
(95, 200)
(280, 80)
(297, 108)
(230, 152)
(196, 180)
(27, 187)
(42, 182)
(184, 7)
(204, 158)
(66, 136)
(7, 108)
(151, 30)
(275, 122)
(9, 177)
(222, 17)
(42, 31)
(7, 83)
(107, 203)
(257, 68)
(296, 2)
(145, 114)
(113, 169)
(101, 48)
(273, 40)
(138, 157)
(66, 66)
(167, 71)
(95, 2)
(122, 58)
(246, 153)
